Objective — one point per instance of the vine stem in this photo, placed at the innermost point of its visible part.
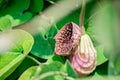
(82, 14)
(34, 59)
(44, 75)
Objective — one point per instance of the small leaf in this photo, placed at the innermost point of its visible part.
(100, 55)
(55, 58)
(5, 22)
(70, 70)
(28, 74)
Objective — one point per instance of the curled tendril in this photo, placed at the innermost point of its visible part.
(83, 58)
(67, 38)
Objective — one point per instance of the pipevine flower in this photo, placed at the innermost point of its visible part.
(83, 58)
(67, 38)
(70, 40)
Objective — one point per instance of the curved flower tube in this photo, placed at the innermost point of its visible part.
(67, 39)
(83, 58)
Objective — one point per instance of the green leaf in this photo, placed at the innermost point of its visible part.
(100, 55)
(22, 19)
(55, 58)
(9, 62)
(28, 74)
(102, 24)
(117, 64)
(15, 9)
(7, 56)
(54, 66)
(15, 13)
(51, 72)
(100, 77)
(19, 41)
(70, 70)
(35, 6)
(10, 58)
(26, 63)
(44, 43)
(5, 22)
(102, 69)
(3, 3)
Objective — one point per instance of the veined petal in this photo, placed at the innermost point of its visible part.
(84, 61)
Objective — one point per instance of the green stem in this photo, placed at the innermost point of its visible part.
(30, 57)
(44, 75)
(50, 1)
(82, 14)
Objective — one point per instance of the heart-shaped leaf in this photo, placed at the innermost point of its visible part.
(44, 43)
(15, 42)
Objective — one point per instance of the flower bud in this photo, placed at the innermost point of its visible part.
(67, 38)
(83, 58)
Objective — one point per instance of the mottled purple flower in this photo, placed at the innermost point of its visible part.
(72, 40)
(67, 38)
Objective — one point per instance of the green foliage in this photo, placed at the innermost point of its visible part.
(14, 14)
(17, 63)
(5, 22)
(43, 72)
(44, 43)
(55, 58)
(100, 55)
(11, 64)
(102, 24)
(70, 70)
(28, 74)
(26, 63)
(12, 57)
(35, 6)
(117, 64)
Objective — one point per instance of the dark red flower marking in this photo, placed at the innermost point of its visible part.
(67, 38)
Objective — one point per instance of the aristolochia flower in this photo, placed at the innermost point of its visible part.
(67, 38)
(71, 40)
(83, 58)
